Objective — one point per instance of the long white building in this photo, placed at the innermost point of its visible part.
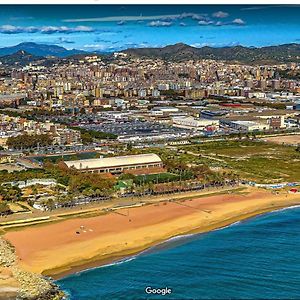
(192, 123)
(116, 164)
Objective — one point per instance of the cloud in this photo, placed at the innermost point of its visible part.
(136, 45)
(166, 20)
(238, 21)
(99, 40)
(192, 16)
(216, 45)
(122, 18)
(96, 46)
(11, 29)
(160, 24)
(205, 22)
(63, 40)
(260, 7)
(199, 45)
(64, 29)
(220, 14)
(219, 23)
(140, 18)
(108, 32)
(21, 18)
(102, 48)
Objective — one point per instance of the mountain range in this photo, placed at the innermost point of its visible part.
(24, 53)
(40, 50)
(181, 52)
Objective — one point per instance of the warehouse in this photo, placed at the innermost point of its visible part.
(196, 124)
(116, 165)
(248, 126)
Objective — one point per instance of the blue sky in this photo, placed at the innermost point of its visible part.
(115, 27)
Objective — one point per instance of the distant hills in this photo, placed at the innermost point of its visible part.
(21, 58)
(180, 52)
(25, 53)
(40, 50)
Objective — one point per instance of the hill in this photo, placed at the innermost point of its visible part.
(177, 52)
(181, 52)
(20, 58)
(40, 50)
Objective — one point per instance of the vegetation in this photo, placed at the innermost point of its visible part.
(209, 163)
(181, 52)
(91, 184)
(253, 160)
(270, 105)
(88, 136)
(66, 157)
(10, 193)
(29, 141)
(289, 74)
(4, 208)
(156, 178)
(77, 183)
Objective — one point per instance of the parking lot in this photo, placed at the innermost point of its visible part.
(138, 129)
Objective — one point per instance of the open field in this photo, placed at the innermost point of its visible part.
(161, 177)
(284, 139)
(252, 160)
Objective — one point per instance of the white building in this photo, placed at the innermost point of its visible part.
(117, 164)
(192, 123)
(248, 126)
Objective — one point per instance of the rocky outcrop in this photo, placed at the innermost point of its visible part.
(20, 283)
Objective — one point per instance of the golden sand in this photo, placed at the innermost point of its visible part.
(73, 244)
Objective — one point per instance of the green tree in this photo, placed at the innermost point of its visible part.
(4, 208)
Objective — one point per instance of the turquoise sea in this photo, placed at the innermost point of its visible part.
(254, 259)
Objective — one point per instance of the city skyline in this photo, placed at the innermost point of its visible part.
(110, 28)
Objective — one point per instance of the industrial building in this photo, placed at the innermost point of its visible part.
(196, 124)
(116, 165)
(248, 126)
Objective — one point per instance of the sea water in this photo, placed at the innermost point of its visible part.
(254, 259)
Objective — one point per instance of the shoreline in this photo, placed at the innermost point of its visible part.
(124, 233)
(95, 263)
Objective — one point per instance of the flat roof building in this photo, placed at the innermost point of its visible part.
(117, 164)
(192, 123)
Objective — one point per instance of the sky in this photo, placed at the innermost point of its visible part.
(110, 28)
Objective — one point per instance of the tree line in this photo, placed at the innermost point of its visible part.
(25, 141)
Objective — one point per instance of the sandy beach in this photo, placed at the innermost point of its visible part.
(57, 249)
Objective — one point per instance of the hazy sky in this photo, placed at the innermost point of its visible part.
(115, 27)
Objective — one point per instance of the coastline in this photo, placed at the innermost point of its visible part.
(165, 221)
(57, 274)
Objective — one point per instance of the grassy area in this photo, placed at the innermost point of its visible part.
(253, 160)
(157, 178)
(75, 156)
(256, 160)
